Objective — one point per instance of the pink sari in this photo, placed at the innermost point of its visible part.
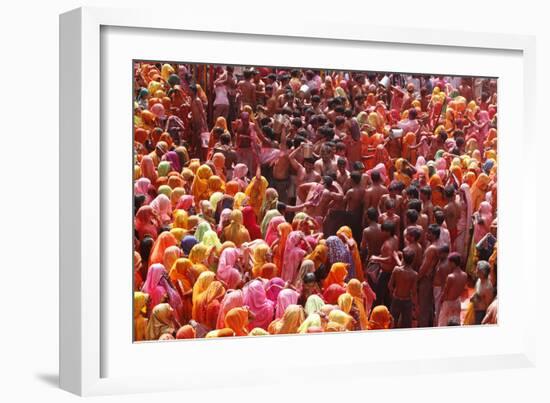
(293, 256)
(163, 207)
(226, 268)
(232, 299)
(272, 233)
(261, 307)
(486, 214)
(273, 287)
(157, 286)
(285, 298)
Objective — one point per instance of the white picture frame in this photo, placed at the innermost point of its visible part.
(83, 185)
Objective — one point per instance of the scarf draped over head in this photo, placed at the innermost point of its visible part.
(290, 322)
(186, 332)
(227, 268)
(262, 308)
(273, 288)
(266, 227)
(293, 255)
(332, 292)
(199, 187)
(256, 193)
(237, 320)
(285, 298)
(249, 221)
(164, 241)
(312, 321)
(160, 322)
(479, 189)
(232, 299)
(236, 232)
(314, 304)
(337, 275)
(380, 318)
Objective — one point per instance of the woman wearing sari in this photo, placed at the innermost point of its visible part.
(147, 168)
(290, 321)
(314, 304)
(201, 285)
(293, 255)
(338, 252)
(249, 221)
(183, 275)
(146, 222)
(273, 287)
(355, 290)
(199, 187)
(479, 190)
(261, 255)
(236, 232)
(232, 299)
(171, 254)
(163, 208)
(255, 192)
(285, 298)
(160, 289)
(337, 275)
(269, 226)
(279, 245)
(346, 235)
(140, 310)
(262, 309)
(380, 318)
(227, 268)
(163, 242)
(237, 320)
(161, 322)
(208, 305)
(200, 255)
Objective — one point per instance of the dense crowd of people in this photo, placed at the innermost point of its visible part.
(283, 201)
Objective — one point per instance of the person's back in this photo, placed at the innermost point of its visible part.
(373, 237)
(455, 284)
(405, 282)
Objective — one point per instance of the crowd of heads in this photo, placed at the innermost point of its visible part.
(285, 201)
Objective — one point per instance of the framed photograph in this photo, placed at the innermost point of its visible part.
(237, 199)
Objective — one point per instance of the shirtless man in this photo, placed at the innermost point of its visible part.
(198, 123)
(412, 242)
(387, 261)
(326, 165)
(442, 270)
(394, 190)
(425, 278)
(281, 169)
(374, 192)
(271, 101)
(452, 213)
(389, 215)
(342, 173)
(373, 237)
(247, 90)
(353, 202)
(403, 285)
(453, 289)
(320, 196)
(427, 206)
(305, 173)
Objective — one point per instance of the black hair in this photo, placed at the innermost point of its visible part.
(444, 248)
(412, 192)
(316, 98)
(225, 138)
(414, 232)
(388, 226)
(339, 109)
(439, 217)
(412, 113)
(412, 216)
(358, 166)
(356, 177)
(415, 204)
(435, 230)
(455, 258)
(375, 176)
(327, 180)
(484, 267)
(426, 191)
(340, 120)
(341, 161)
(268, 131)
(309, 278)
(372, 214)
(449, 191)
(408, 256)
